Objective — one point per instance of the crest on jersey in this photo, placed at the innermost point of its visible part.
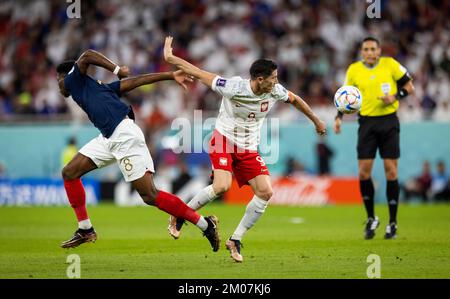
(221, 82)
(223, 161)
(264, 106)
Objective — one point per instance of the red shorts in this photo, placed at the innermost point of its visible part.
(244, 164)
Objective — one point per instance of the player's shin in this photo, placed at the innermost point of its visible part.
(253, 212)
(174, 206)
(392, 193)
(367, 193)
(202, 198)
(77, 198)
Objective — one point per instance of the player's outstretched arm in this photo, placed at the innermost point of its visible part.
(93, 57)
(204, 76)
(338, 122)
(131, 83)
(300, 104)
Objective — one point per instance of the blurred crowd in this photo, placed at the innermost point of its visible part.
(312, 41)
(428, 185)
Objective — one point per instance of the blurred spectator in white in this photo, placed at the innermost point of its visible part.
(312, 42)
(440, 188)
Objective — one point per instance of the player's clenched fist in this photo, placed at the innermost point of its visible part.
(123, 72)
(321, 127)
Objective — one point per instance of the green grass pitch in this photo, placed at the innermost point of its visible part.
(287, 242)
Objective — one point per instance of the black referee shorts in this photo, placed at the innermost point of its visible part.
(379, 132)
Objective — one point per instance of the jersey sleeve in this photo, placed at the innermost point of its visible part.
(115, 86)
(398, 70)
(74, 79)
(227, 87)
(280, 93)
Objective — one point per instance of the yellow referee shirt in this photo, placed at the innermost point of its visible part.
(375, 82)
(67, 154)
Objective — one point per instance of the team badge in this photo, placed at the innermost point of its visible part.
(223, 161)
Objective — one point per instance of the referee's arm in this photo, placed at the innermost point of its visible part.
(405, 88)
(405, 85)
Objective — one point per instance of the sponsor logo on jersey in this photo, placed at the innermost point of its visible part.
(221, 82)
(223, 161)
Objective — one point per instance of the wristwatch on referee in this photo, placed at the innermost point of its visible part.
(401, 94)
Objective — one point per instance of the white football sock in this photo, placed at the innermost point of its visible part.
(253, 212)
(202, 198)
(202, 223)
(85, 224)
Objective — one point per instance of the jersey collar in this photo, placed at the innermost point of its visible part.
(371, 68)
(249, 85)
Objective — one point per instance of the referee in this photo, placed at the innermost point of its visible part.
(383, 82)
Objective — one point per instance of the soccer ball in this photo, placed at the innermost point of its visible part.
(348, 99)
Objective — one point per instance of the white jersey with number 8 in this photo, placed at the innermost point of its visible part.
(242, 113)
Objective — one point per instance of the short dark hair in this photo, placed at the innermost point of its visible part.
(65, 67)
(370, 39)
(262, 68)
(72, 141)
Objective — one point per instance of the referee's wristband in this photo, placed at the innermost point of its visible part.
(116, 70)
(401, 94)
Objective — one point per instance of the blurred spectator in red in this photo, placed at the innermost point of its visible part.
(420, 185)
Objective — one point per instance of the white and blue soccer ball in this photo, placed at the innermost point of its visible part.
(348, 99)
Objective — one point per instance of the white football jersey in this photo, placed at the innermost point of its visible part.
(242, 113)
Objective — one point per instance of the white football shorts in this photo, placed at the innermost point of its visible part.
(126, 146)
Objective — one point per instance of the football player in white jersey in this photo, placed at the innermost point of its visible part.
(234, 142)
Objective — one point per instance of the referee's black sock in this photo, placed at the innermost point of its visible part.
(392, 192)
(367, 192)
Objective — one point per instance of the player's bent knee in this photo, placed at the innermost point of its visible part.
(264, 194)
(68, 173)
(220, 189)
